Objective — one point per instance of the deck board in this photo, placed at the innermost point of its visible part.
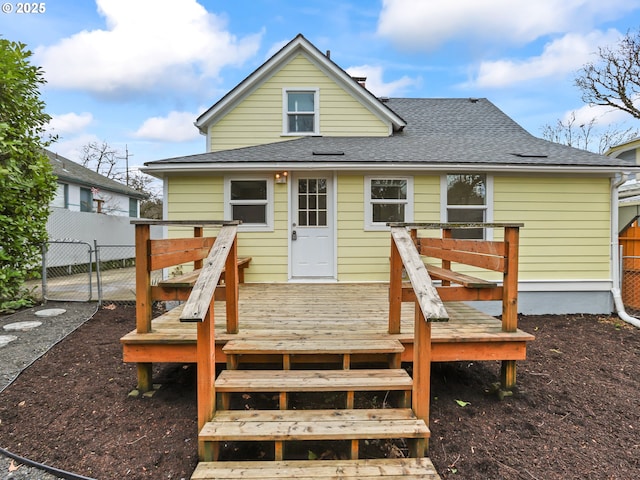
(352, 311)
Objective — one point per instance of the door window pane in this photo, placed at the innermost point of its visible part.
(312, 202)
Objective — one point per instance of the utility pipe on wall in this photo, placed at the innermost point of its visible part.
(616, 256)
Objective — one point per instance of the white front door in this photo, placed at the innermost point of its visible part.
(312, 226)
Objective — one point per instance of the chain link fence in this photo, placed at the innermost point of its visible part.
(79, 271)
(631, 284)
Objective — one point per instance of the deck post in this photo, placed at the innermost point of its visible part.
(198, 231)
(510, 301)
(231, 287)
(206, 369)
(143, 298)
(395, 289)
(421, 366)
(446, 264)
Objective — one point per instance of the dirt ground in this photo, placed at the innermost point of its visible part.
(575, 414)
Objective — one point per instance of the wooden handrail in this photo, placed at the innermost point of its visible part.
(427, 297)
(185, 223)
(199, 308)
(201, 296)
(428, 308)
(453, 226)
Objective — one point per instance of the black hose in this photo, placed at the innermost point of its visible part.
(46, 468)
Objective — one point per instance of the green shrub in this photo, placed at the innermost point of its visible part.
(27, 184)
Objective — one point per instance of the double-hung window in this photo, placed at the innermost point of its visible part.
(86, 200)
(300, 112)
(251, 201)
(387, 199)
(467, 202)
(61, 199)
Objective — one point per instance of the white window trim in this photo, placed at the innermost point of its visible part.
(488, 207)
(369, 224)
(250, 227)
(285, 111)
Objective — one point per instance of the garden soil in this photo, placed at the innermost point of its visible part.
(574, 415)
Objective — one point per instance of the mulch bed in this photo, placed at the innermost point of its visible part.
(575, 414)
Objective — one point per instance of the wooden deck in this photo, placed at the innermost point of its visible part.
(334, 326)
(338, 310)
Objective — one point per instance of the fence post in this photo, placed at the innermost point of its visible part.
(98, 273)
(44, 272)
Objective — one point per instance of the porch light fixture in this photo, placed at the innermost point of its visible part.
(281, 177)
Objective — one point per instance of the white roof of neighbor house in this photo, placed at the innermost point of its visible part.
(68, 170)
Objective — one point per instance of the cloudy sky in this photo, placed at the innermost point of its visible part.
(137, 73)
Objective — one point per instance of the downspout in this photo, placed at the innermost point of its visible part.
(615, 256)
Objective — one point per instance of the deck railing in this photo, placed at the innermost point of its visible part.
(152, 255)
(499, 256)
(428, 308)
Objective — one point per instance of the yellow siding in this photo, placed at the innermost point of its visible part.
(364, 255)
(567, 225)
(201, 198)
(565, 237)
(257, 119)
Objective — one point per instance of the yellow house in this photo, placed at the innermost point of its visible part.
(315, 166)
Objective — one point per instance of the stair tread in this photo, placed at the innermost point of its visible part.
(386, 468)
(310, 346)
(256, 425)
(313, 380)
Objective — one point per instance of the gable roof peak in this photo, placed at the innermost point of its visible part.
(282, 57)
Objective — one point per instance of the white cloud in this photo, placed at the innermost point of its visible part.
(69, 123)
(146, 43)
(600, 114)
(424, 25)
(175, 127)
(376, 85)
(559, 57)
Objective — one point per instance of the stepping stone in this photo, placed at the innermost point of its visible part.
(6, 340)
(50, 312)
(21, 326)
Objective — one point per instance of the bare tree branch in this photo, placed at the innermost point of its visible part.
(614, 80)
(586, 136)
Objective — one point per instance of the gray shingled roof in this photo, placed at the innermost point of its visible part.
(68, 170)
(443, 132)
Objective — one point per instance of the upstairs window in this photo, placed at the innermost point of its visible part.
(467, 203)
(133, 207)
(61, 199)
(300, 112)
(86, 200)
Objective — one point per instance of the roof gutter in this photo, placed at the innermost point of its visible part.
(154, 169)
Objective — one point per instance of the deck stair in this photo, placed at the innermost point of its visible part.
(339, 423)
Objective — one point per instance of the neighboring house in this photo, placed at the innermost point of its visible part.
(80, 189)
(315, 166)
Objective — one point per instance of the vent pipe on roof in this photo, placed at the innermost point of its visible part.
(328, 54)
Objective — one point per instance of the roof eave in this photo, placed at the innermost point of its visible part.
(163, 169)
